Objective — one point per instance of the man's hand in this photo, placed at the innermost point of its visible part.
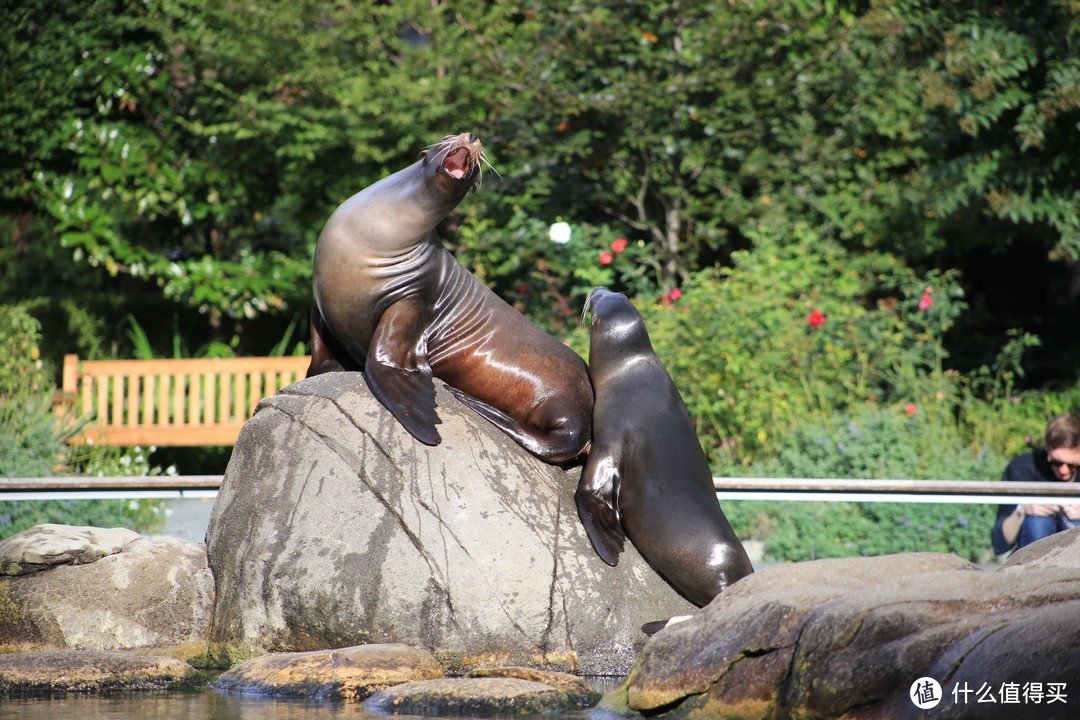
(1043, 510)
(1071, 511)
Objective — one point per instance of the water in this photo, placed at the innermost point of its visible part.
(187, 518)
(195, 705)
(201, 704)
(192, 705)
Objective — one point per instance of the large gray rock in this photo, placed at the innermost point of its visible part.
(848, 638)
(153, 594)
(334, 527)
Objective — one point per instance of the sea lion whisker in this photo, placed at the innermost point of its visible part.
(444, 151)
(480, 160)
(588, 305)
(485, 161)
(441, 148)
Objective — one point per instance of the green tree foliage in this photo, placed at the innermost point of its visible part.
(142, 185)
(682, 128)
(1002, 85)
(199, 147)
(685, 129)
(196, 148)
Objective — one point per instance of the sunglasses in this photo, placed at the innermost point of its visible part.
(1061, 463)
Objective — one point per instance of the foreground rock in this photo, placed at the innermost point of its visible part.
(45, 546)
(577, 691)
(352, 673)
(848, 638)
(492, 692)
(334, 527)
(63, 671)
(143, 594)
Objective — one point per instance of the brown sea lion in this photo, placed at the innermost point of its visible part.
(390, 300)
(647, 477)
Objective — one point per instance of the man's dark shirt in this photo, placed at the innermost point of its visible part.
(1029, 467)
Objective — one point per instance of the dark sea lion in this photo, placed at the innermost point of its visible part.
(390, 300)
(646, 477)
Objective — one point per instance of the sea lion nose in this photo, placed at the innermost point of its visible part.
(472, 138)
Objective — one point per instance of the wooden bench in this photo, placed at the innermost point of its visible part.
(183, 402)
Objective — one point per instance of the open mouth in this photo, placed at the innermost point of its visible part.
(456, 164)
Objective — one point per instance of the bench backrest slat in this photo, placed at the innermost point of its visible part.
(180, 402)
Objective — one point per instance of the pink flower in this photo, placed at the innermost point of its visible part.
(670, 297)
(606, 258)
(910, 409)
(816, 319)
(926, 302)
(619, 245)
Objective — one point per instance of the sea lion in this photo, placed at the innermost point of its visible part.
(646, 477)
(390, 300)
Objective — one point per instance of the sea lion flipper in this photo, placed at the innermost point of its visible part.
(602, 526)
(399, 378)
(496, 417)
(596, 499)
(551, 444)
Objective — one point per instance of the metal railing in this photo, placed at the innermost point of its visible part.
(81, 487)
(727, 488)
(924, 491)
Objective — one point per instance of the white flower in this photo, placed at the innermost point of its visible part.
(560, 233)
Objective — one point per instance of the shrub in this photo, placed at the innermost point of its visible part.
(881, 443)
(797, 329)
(29, 443)
(32, 442)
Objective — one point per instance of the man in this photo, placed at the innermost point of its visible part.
(1020, 525)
